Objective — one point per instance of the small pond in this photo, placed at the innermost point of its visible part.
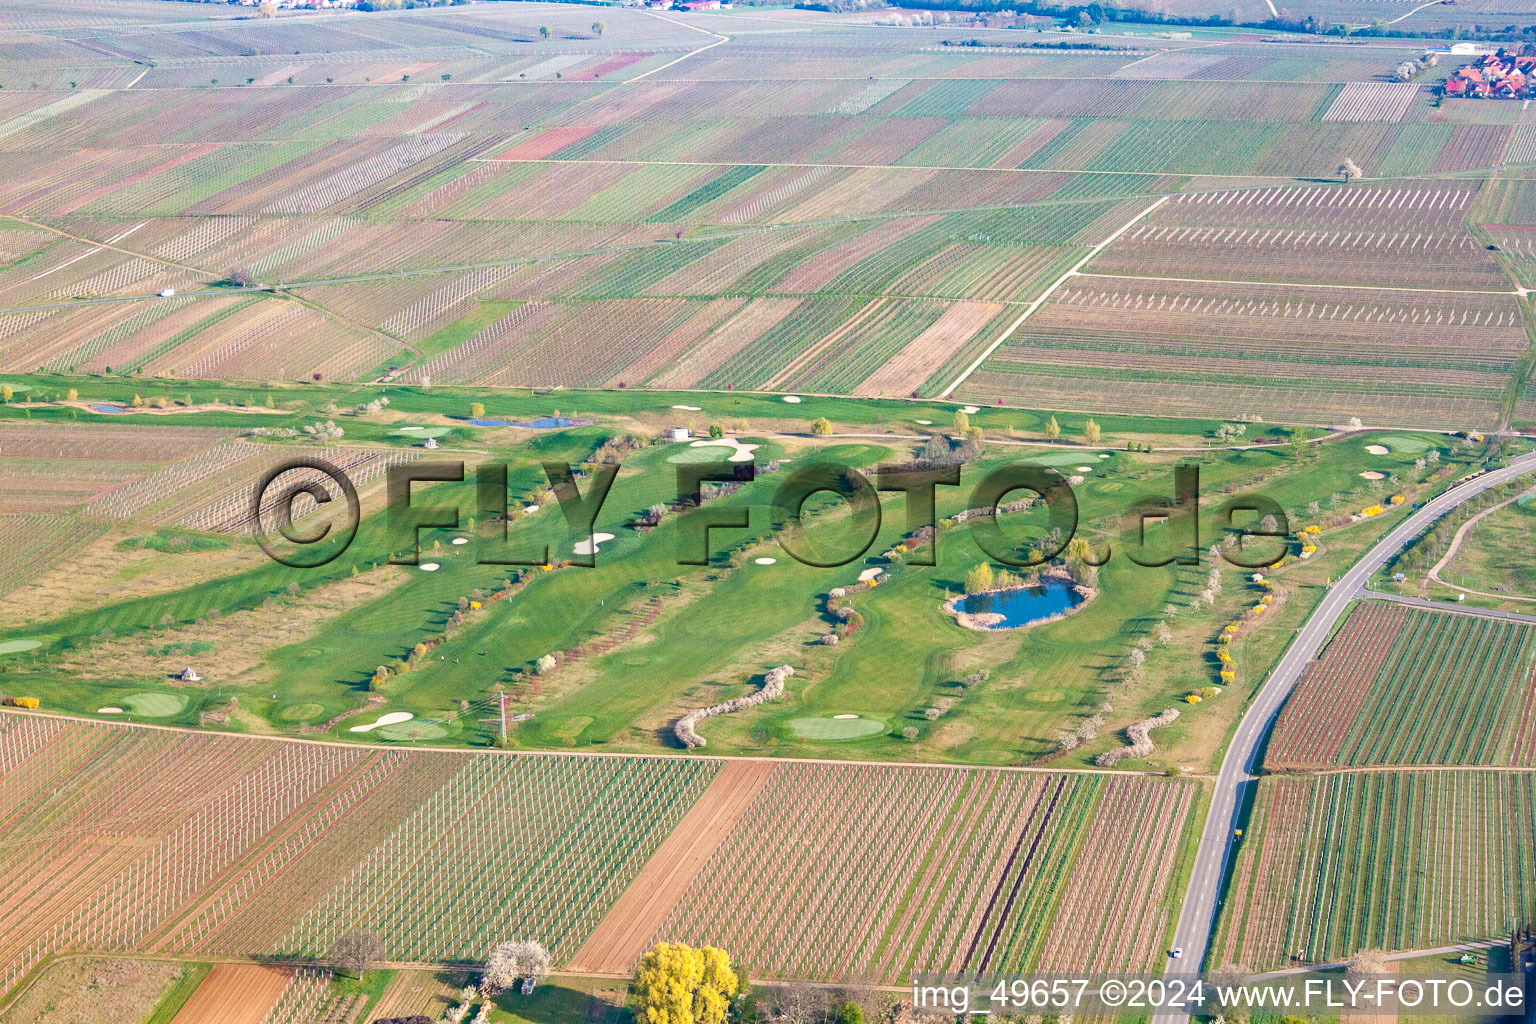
(110, 410)
(542, 423)
(1023, 606)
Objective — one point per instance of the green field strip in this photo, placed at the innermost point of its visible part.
(970, 142)
(708, 192)
(1004, 364)
(869, 347)
(947, 97)
(761, 358)
(186, 334)
(634, 272)
(585, 147)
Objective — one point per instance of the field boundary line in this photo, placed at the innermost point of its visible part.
(691, 53)
(107, 245)
(1403, 769)
(539, 752)
(1040, 299)
(1292, 284)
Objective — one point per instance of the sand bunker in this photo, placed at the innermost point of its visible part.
(687, 408)
(1085, 469)
(388, 718)
(529, 510)
(843, 718)
(743, 452)
(925, 423)
(593, 544)
(429, 567)
(1371, 474)
(765, 560)
(109, 711)
(869, 574)
(1104, 455)
(460, 540)
(1378, 449)
(792, 399)
(971, 410)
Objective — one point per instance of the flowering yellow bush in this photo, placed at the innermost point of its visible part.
(677, 984)
(1373, 510)
(1232, 627)
(1398, 499)
(1314, 529)
(1227, 675)
(1193, 698)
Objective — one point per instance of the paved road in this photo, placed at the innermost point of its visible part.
(1197, 920)
(1449, 606)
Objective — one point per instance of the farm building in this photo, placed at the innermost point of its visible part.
(1502, 75)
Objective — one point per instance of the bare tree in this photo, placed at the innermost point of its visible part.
(242, 278)
(799, 1004)
(357, 950)
(1349, 170)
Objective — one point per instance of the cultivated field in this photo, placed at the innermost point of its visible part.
(1385, 860)
(757, 216)
(1403, 686)
(955, 870)
(1315, 302)
(272, 847)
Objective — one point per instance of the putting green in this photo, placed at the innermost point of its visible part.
(1073, 459)
(155, 705)
(424, 431)
(1405, 444)
(416, 729)
(18, 389)
(301, 712)
(708, 453)
(824, 729)
(17, 646)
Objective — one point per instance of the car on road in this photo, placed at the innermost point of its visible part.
(1177, 952)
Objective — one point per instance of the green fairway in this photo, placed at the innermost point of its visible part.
(1406, 444)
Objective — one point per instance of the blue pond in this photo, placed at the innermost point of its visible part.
(1024, 606)
(542, 423)
(109, 409)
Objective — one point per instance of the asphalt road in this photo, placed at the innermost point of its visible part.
(1217, 842)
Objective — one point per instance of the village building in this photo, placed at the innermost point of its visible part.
(1502, 75)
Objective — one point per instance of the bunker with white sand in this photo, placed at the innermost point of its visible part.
(592, 545)
(388, 718)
